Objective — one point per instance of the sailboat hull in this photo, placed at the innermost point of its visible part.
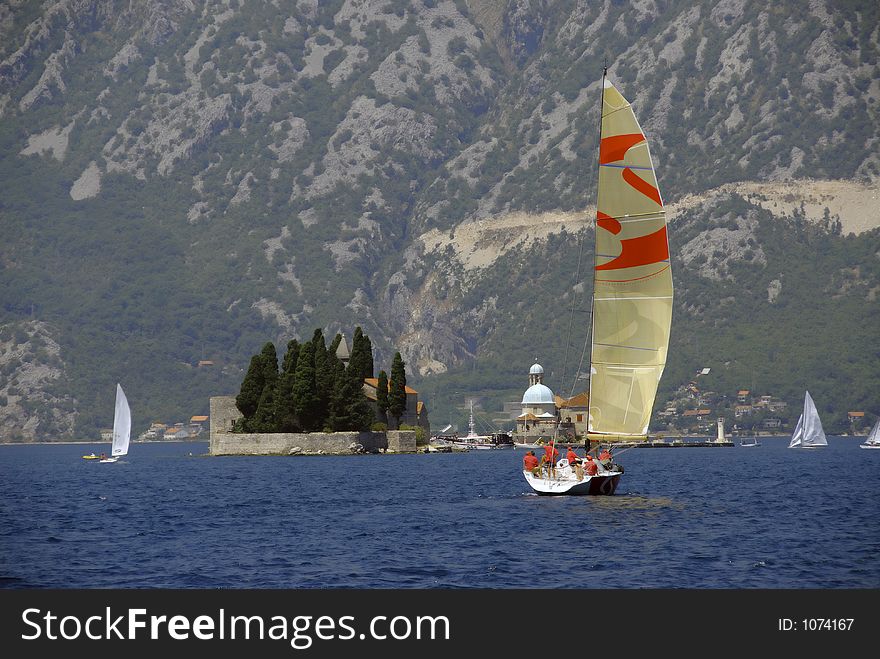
(869, 445)
(604, 485)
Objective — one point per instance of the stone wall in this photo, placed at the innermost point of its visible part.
(295, 443)
(401, 441)
(223, 442)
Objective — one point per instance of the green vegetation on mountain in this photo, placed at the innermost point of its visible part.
(183, 179)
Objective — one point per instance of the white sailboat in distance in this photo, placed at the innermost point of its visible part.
(121, 427)
(808, 432)
(873, 440)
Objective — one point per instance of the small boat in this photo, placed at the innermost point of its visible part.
(808, 432)
(91, 456)
(873, 440)
(632, 299)
(121, 427)
(749, 441)
(477, 442)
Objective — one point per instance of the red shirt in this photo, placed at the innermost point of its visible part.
(572, 456)
(592, 469)
(604, 455)
(530, 461)
(550, 452)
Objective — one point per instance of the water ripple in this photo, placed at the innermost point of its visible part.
(685, 518)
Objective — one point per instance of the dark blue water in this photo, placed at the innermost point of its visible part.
(169, 516)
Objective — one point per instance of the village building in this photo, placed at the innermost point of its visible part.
(541, 411)
(416, 412)
(197, 424)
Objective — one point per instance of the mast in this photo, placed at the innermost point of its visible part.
(596, 233)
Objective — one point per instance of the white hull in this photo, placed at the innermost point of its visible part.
(109, 459)
(869, 445)
(565, 481)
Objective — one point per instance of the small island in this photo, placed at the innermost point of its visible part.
(323, 400)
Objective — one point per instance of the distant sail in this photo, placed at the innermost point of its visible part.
(632, 285)
(121, 424)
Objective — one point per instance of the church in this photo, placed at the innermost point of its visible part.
(542, 411)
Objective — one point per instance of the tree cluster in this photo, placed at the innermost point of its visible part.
(312, 391)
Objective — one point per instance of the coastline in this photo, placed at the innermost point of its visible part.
(102, 441)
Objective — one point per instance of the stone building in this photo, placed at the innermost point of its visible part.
(542, 411)
(416, 412)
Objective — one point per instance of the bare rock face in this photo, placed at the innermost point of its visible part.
(30, 368)
(712, 251)
(174, 131)
(88, 184)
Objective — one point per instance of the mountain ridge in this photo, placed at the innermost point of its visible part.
(185, 180)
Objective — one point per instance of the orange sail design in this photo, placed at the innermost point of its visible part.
(642, 250)
(608, 223)
(632, 281)
(614, 148)
(640, 184)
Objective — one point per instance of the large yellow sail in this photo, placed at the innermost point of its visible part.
(632, 284)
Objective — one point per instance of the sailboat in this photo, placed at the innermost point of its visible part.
(808, 432)
(873, 440)
(121, 427)
(632, 298)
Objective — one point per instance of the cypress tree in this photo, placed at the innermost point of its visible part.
(261, 368)
(337, 410)
(361, 354)
(290, 357)
(351, 409)
(368, 357)
(251, 388)
(270, 363)
(382, 397)
(397, 392)
(331, 349)
(305, 402)
(357, 360)
(323, 377)
(265, 418)
(285, 413)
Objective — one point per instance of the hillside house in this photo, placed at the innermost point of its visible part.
(197, 424)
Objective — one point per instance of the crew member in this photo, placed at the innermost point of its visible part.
(590, 467)
(530, 462)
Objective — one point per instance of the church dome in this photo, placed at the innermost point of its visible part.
(538, 394)
(536, 369)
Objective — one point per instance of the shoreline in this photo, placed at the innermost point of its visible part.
(69, 442)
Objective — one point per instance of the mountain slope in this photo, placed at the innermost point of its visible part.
(184, 180)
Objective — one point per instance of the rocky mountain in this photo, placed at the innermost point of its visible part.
(183, 180)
